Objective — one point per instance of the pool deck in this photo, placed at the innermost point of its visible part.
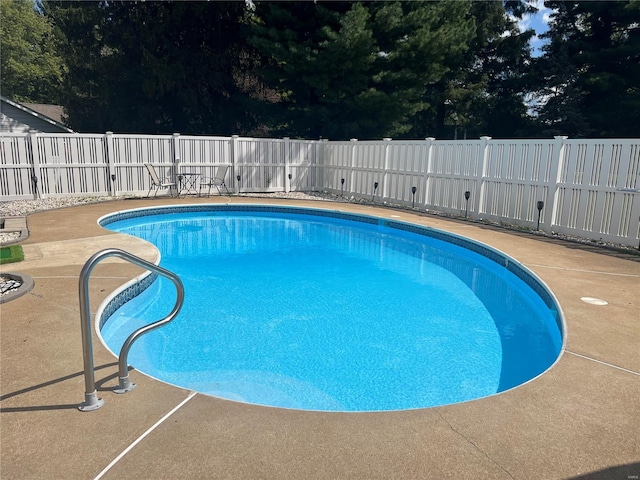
(580, 420)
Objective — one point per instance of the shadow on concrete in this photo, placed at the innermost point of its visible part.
(99, 386)
(37, 408)
(629, 471)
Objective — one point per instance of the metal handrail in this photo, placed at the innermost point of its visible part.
(91, 400)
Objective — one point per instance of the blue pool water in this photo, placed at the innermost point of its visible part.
(313, 312)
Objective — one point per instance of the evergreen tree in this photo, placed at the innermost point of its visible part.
(84, 97)
(345, 70)
(590, 71)
(482, 91)
(155, 67)
(505, 60)
(309, 63)
(425, 42)
(30, 66)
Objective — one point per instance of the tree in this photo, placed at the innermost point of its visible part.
(505, 60)
(398, 69)
(31, 68)
(347, 70)
(312, 60)
(77, 25)
(590, 71)
(155, 67)
(425, 42)
(482, 91)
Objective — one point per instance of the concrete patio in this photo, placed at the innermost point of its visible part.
(580, 420)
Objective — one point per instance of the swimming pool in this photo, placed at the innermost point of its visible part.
(323, 310)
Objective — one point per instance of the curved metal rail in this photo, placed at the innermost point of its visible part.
(91, 400)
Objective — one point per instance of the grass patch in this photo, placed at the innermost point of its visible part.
(11, 254)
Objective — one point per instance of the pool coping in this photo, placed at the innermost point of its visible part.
(578, 420)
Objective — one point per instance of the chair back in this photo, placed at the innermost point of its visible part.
(154, 175)
(221, 172)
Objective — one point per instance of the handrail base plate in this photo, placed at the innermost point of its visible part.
(120, 390)
(91, 403)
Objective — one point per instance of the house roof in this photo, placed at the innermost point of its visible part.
(51, 114)
(54, 112)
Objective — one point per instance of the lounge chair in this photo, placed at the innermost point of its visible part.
(216, 181)
(157, 183)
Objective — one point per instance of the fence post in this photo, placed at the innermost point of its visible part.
(36, 176)
(321, 167)
(111, 168)
(385, 181)
(287, 161)
(428, 170)
(353, 165)
(479, 199)
(557, 165)
(233, 147)
(175, 146)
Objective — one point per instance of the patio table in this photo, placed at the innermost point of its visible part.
(188, 182)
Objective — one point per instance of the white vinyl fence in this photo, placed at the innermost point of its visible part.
(587, 188)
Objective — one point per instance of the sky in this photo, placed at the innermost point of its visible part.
(539, 22)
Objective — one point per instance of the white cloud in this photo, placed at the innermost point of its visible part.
(538, 21)
(524, 23)
(543, 12)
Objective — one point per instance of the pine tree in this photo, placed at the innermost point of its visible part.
(359, 70)
(590, 71)
(77, 26)
(155, 67)
(482, 91)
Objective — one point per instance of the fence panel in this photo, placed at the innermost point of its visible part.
(16, 168)
(368, 169)
(405, 169)
(517, 175)
(303, 160)
(203, 156)
(260, 164)
(456, 169)
(71, 164)
(337, 166)
(598, 190)
(131, 152)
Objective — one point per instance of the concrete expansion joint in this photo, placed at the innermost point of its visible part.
(602, 363)
(474, 445)
(597, 272)
(145, 434)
